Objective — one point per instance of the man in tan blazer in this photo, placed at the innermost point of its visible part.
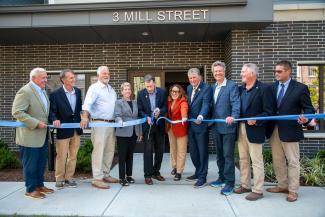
(31, 106)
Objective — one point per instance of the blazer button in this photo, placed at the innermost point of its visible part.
(277, 112)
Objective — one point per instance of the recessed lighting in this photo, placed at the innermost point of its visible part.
(180, 33)
(145, 33)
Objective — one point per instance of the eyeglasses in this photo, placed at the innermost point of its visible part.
(278, 71)
(175, 91)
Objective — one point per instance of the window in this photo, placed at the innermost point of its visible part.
(84, 78)
(313, 76)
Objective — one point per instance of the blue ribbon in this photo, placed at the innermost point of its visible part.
(77, 125)
(266, 118)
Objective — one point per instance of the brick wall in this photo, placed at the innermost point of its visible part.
(293, 41)
(17, 61)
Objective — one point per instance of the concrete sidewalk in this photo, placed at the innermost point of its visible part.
(162, 199)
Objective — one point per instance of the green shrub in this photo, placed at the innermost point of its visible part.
(269, 172)
(312, 171)
(84, 156)
(321, 154)
(8, 159)
(267, 155)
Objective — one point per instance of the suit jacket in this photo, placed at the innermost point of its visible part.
(259, 105)
(60, 109)
(123, 112)
(200, 105)
(29, 109)
(296, 100)
(145, 108)
(179, 110)
(227, 104)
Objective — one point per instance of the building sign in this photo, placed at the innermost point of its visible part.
(160, 15)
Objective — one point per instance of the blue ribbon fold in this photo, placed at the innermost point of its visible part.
(266, 118)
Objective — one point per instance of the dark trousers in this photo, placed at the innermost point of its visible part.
(225, 145)
(198, 145)
(125, 147)
(156, 143)
(34, 163)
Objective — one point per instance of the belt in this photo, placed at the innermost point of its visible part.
(105, 120)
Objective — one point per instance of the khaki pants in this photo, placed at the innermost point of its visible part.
(247, 152)
(103, 139)
(178, 150)
(285, 162)
(66, 157)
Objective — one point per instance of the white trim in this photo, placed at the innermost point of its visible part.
(76, 71)
(302, 6)
(310, 62)
(314, 135)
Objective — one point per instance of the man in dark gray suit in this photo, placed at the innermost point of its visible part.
(226, 105)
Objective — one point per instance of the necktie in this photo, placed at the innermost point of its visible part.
(280, 96)
(193, 94)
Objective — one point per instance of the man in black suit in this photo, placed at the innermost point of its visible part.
(65, 107)
(152, 101)
(255, 102)
(289, 97)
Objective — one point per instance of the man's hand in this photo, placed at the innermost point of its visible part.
(84, 123)
(41, 125)
(156, 112)
(302, 119)
(57, 123)
(184, 119)
(199, 119)
(229, 120)
(251, 122)
(149, 121)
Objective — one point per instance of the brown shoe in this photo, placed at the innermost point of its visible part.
(110, 179)
(97, 183)
(44, 190)
(159, 178)
(35, 195)
(254, 196)
(292, 196)
(241, 190)
(277, 190)
(148, 181)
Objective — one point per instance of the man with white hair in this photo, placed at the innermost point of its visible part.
(255, 102)
(99, 104)
(31, 106)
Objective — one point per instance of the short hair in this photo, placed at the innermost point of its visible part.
(181, 91)
(286, 64)
(35, 72)
(125, 84)
(149, 77)
(218, 63)
(64, 72)
(101, 68)
(193, 71)
(252, 67)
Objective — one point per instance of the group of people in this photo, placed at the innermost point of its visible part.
(221, 100)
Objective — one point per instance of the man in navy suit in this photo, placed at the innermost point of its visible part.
(255, 102)
(152, 101)
(289, 97)
(226, 105)
(65, 107)
(199, 97)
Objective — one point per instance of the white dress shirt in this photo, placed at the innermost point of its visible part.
(218, 88)
(100, 101)
(41, 92)
(71, 95)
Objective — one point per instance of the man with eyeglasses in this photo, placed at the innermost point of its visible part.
(290, 97)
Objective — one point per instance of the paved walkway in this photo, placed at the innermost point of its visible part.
(164, 199)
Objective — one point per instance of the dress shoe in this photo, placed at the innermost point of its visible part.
(241, 190)
(148, 181)
(159, 178)
(98, 183)
(177, 177)
(130, 180)
(35, 195)
(277, 190)
(292, 196)
(110, 179)
(254, 196)
(123, 182)
(44, 190)
(173, 172)
(191, 178)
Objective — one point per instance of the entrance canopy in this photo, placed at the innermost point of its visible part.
(142, 21)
